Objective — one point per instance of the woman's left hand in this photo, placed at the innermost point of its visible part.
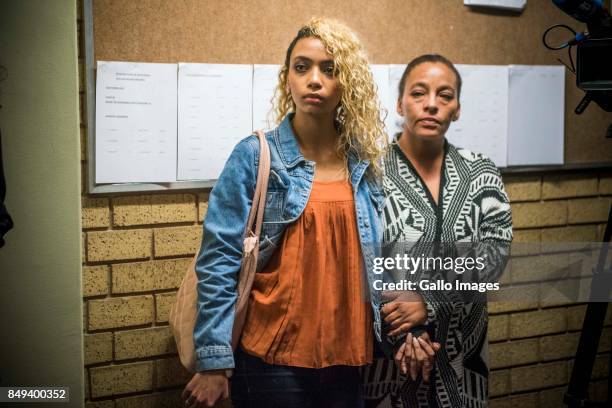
(417, 354)
(405, 311)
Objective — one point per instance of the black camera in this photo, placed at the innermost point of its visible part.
(593, 51)
(594, 65)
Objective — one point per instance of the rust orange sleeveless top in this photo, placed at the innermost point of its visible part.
(308, 306)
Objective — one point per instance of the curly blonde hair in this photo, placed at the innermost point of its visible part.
(359, 117)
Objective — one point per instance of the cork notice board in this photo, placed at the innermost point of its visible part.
(393, 31)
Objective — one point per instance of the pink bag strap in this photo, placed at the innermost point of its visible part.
(251, 241)
(253, 226)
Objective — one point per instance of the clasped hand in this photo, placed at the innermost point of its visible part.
(404, 311)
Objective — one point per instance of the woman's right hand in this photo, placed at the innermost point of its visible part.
(403, 311)
(205, 389)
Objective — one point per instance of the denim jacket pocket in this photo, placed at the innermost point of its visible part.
(276, 195)
(277, 180)
(271, 233)
(274, 205)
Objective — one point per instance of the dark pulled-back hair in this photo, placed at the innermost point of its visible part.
(428, 58)
(304, 32)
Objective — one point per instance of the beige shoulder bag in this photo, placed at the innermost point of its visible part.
(183, 314)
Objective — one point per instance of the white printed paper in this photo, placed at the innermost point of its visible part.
(214, 113)
(394, 121)
(536, 115)
(514, 5)
(135, 122)
(149, 129)
(483, 119)
(381, 79)
(265, 81)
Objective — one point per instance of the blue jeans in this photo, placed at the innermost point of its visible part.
(257, 384)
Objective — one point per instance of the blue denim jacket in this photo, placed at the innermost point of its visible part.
(220, 255)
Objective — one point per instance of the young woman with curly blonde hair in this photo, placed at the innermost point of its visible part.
(310, 318)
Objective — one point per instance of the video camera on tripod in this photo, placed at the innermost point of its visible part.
(593, 51)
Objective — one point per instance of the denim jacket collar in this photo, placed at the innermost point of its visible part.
(291, 156)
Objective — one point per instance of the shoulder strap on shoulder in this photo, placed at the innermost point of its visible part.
(255, 220)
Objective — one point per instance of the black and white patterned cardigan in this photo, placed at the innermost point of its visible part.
(474, 208)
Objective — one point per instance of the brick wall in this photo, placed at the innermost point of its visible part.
(136, 249)
(532, 344)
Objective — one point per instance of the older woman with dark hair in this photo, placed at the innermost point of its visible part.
(438, 194)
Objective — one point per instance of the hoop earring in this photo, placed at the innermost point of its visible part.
(340, 114)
